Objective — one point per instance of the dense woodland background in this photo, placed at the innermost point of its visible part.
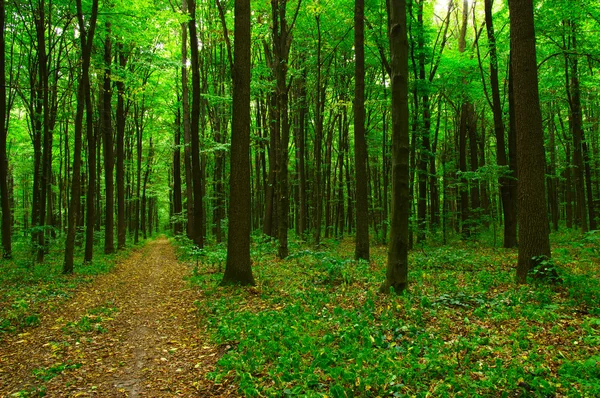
(119, 114)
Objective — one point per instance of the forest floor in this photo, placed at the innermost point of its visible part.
(131, 332)
(158, 324)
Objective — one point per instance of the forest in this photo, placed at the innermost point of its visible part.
(325, 198)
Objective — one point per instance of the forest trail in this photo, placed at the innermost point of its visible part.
(130, 333)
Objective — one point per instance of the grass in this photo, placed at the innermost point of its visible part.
(27, 289)
(316, 326)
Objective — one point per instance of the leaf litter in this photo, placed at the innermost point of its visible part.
(132, 332)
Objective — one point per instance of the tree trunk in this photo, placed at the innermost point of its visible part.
(45, 167)
(4, 194)
(553, 180)
(588, 183)
(177, 202)
(121, 115)
(187, 154)
(300, 138)
(534, 242)
(577, 129)
(91, 186)
(397, 262)
(360, 143)
(197, 234)
(510, 239)
(319, 110)
(86, 39)
(238, 268)
(109, 157)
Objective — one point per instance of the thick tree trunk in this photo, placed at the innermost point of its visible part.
(238, 268)
(511, 228)
(534, 242)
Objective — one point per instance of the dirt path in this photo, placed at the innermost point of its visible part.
(130, 333)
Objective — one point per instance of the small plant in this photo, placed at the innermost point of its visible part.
(92, 321)
(47, 374)
(546, 270)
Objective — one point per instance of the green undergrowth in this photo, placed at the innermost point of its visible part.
(28, 289)
(315, 325)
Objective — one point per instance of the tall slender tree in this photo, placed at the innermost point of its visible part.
(107, 139)
(120, 119)
(396, 276)
(505, 181)
(360, 143)
(6, 216)
(198, 218)
(86, 36)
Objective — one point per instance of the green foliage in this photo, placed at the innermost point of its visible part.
(26, 290)
(47, 374)
(92, 321)
(315, 326)
(585, 373)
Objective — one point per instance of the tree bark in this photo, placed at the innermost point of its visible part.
(86, 38)
(177, 202)
(4, 193)
(360, 143)
(197, 235)
(109, 157)
(510, 233)
(534, 242)
(121, 115)
(397, 261)
(238, 268)
(45, 166)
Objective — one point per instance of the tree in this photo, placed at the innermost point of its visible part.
(505, 181)
(397, 262)
(120, 119)
(534, 241)
(109, 158)
(6, 216)
(86, 36)
(360, 144)
(238, 269)
(198, 217)
(282, 41)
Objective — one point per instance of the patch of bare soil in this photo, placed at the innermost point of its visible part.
(131, 333)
